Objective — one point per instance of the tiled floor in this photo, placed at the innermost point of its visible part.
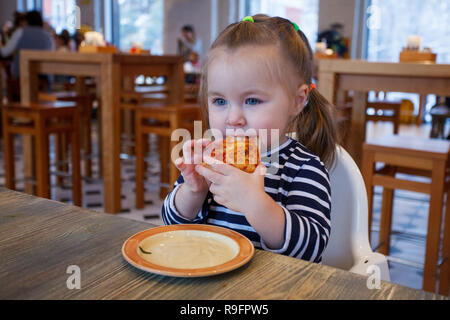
(409, 220)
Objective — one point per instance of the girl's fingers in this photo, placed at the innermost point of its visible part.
(216, 145)
(193, 150)
(187, 151)
(221, 167)
(179, 163)
(260, 169)
(198, 151)
(219, 199)
(210, 175)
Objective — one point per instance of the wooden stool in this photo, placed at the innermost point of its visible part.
(161, 120)
(421, 157)
(385, 111)
(40, 120)
(84, 103)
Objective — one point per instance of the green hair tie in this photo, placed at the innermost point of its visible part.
(296, 27)
(248, 18)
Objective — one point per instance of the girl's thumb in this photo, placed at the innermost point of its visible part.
(261, 169)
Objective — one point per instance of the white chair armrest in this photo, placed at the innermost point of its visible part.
(372, 259)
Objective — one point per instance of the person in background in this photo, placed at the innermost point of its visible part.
(62, 41)
(192, 68)
(334, 39)
(188, 42)
(6, 32)
(32, 36)
(76, 40)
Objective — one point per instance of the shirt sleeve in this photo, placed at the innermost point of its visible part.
(11, 45)
(307, 213)
(170, 214)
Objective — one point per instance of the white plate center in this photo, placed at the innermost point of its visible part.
(188, 249)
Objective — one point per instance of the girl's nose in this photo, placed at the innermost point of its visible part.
(235, 117)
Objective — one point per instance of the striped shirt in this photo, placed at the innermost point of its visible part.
(299, 184)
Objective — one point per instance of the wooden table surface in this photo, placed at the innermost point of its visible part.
(363, 76)
(40, 239)
(112, 72)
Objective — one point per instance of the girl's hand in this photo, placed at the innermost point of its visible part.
(233, 188)
(192, 156)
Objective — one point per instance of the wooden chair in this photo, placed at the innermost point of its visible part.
(385, 111)
(147, 94)
(84, 103)
(161, 120)
(40, 120)
(419, 157)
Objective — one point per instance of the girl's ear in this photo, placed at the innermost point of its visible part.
(301, 96)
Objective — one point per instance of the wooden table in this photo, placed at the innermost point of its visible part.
(110, 70)
(363, 76)
(420, 158)
(40, 239)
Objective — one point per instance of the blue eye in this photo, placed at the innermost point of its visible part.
(252, 101)
(220, 102)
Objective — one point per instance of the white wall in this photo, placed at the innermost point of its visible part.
(87, 12)
(342, 11)
(180, 12)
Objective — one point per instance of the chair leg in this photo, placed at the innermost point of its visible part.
(174, 172)
(139, 151)
(444, 279)
(434, 226)
(86, 137)
(65, 151)
(42, 160)
(8, 140)
(164, 157)
(99, 141)
(386, 217)
(76, 170)
(59, 156)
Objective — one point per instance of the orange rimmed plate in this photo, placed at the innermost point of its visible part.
(188, 250)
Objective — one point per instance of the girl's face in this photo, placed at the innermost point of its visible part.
(243, 94)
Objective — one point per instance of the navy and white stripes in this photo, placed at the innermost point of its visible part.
(301, 186)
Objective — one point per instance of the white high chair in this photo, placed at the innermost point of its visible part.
(348, 247)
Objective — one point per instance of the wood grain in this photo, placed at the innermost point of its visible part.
(40, 239)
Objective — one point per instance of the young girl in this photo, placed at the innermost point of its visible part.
(258, 76)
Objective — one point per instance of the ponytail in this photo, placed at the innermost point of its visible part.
(315, 127)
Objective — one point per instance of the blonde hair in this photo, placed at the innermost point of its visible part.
(314, 125)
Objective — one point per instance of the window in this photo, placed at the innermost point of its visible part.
(60, 14)
(141, 21)
(390, 22)
(28, 5)
(303, 12)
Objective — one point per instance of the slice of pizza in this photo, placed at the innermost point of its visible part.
(241, 152)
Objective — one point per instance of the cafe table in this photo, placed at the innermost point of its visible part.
(111, 70)
(42, 241)
(359, 76)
